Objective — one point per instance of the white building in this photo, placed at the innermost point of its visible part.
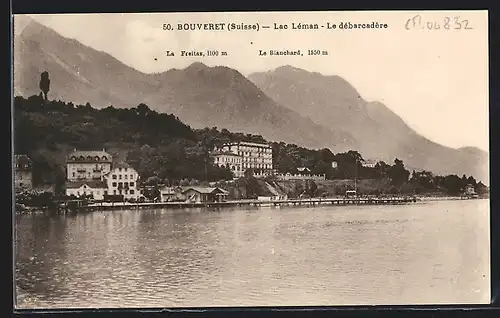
(122, 180)
(300, 176)
(88, 165)
(95, 189)
(256, 156)
(369, 164)
(335, 164)
(229, 160)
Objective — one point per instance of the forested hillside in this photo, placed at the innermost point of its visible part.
(161, 147)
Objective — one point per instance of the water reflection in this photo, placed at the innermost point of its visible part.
(39, 250)
(430, 253)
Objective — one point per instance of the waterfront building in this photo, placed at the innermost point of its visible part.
(469, 189)
(335, 164)
(280, 197)
(229, 160)
(169, 194)
(122, 180)
(204, 194)
(255, 156)
(88, 165)
(23, 174)
(95, 189)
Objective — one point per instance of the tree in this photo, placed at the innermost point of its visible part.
(152, 181)
(142, 109)
(423, 179)
(397, 173)
(453, 184)
(45, 83)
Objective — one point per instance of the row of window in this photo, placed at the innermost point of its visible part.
(245, 166)
(21, 166)
(131, 191)
(258, 154)
(114, 176)
(230, 159)
(257, 160)
(123, 184)
(89, 158)
(258, 166)
(255, 149)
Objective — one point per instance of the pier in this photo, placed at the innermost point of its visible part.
(103, 206)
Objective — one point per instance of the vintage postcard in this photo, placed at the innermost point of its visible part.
(251, 159)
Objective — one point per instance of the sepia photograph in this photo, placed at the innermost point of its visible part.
(228, 159)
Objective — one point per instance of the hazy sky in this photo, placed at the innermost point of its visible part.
(436, 80)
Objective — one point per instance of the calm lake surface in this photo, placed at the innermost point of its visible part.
(423, 253)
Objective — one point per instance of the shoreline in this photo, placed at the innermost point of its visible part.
(312, 202)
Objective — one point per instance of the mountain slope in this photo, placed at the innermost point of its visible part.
(199, 95)
(333, 102)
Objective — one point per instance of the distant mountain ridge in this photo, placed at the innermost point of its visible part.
(380, 133)
(200, 96)
(287, 104)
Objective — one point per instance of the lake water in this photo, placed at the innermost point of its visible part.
(423, 253)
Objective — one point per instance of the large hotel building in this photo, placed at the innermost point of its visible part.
(240, 156)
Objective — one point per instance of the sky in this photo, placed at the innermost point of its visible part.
(436, 80)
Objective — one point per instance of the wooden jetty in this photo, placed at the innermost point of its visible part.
(102, 206)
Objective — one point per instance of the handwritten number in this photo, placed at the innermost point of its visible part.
(416, 20)
(446, 23)
(466, 22)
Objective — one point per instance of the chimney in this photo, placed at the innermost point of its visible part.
(103, 150)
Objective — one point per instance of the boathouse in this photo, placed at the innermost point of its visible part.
(169, 194)
(204, 194)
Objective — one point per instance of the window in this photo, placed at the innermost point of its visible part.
(131, 176)
(131, 184)
(120, 176)
(131, 191)
(114, 191)
(114, 176)
(126, 176)
(73, 174)
(120, 169)
(114, 184)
